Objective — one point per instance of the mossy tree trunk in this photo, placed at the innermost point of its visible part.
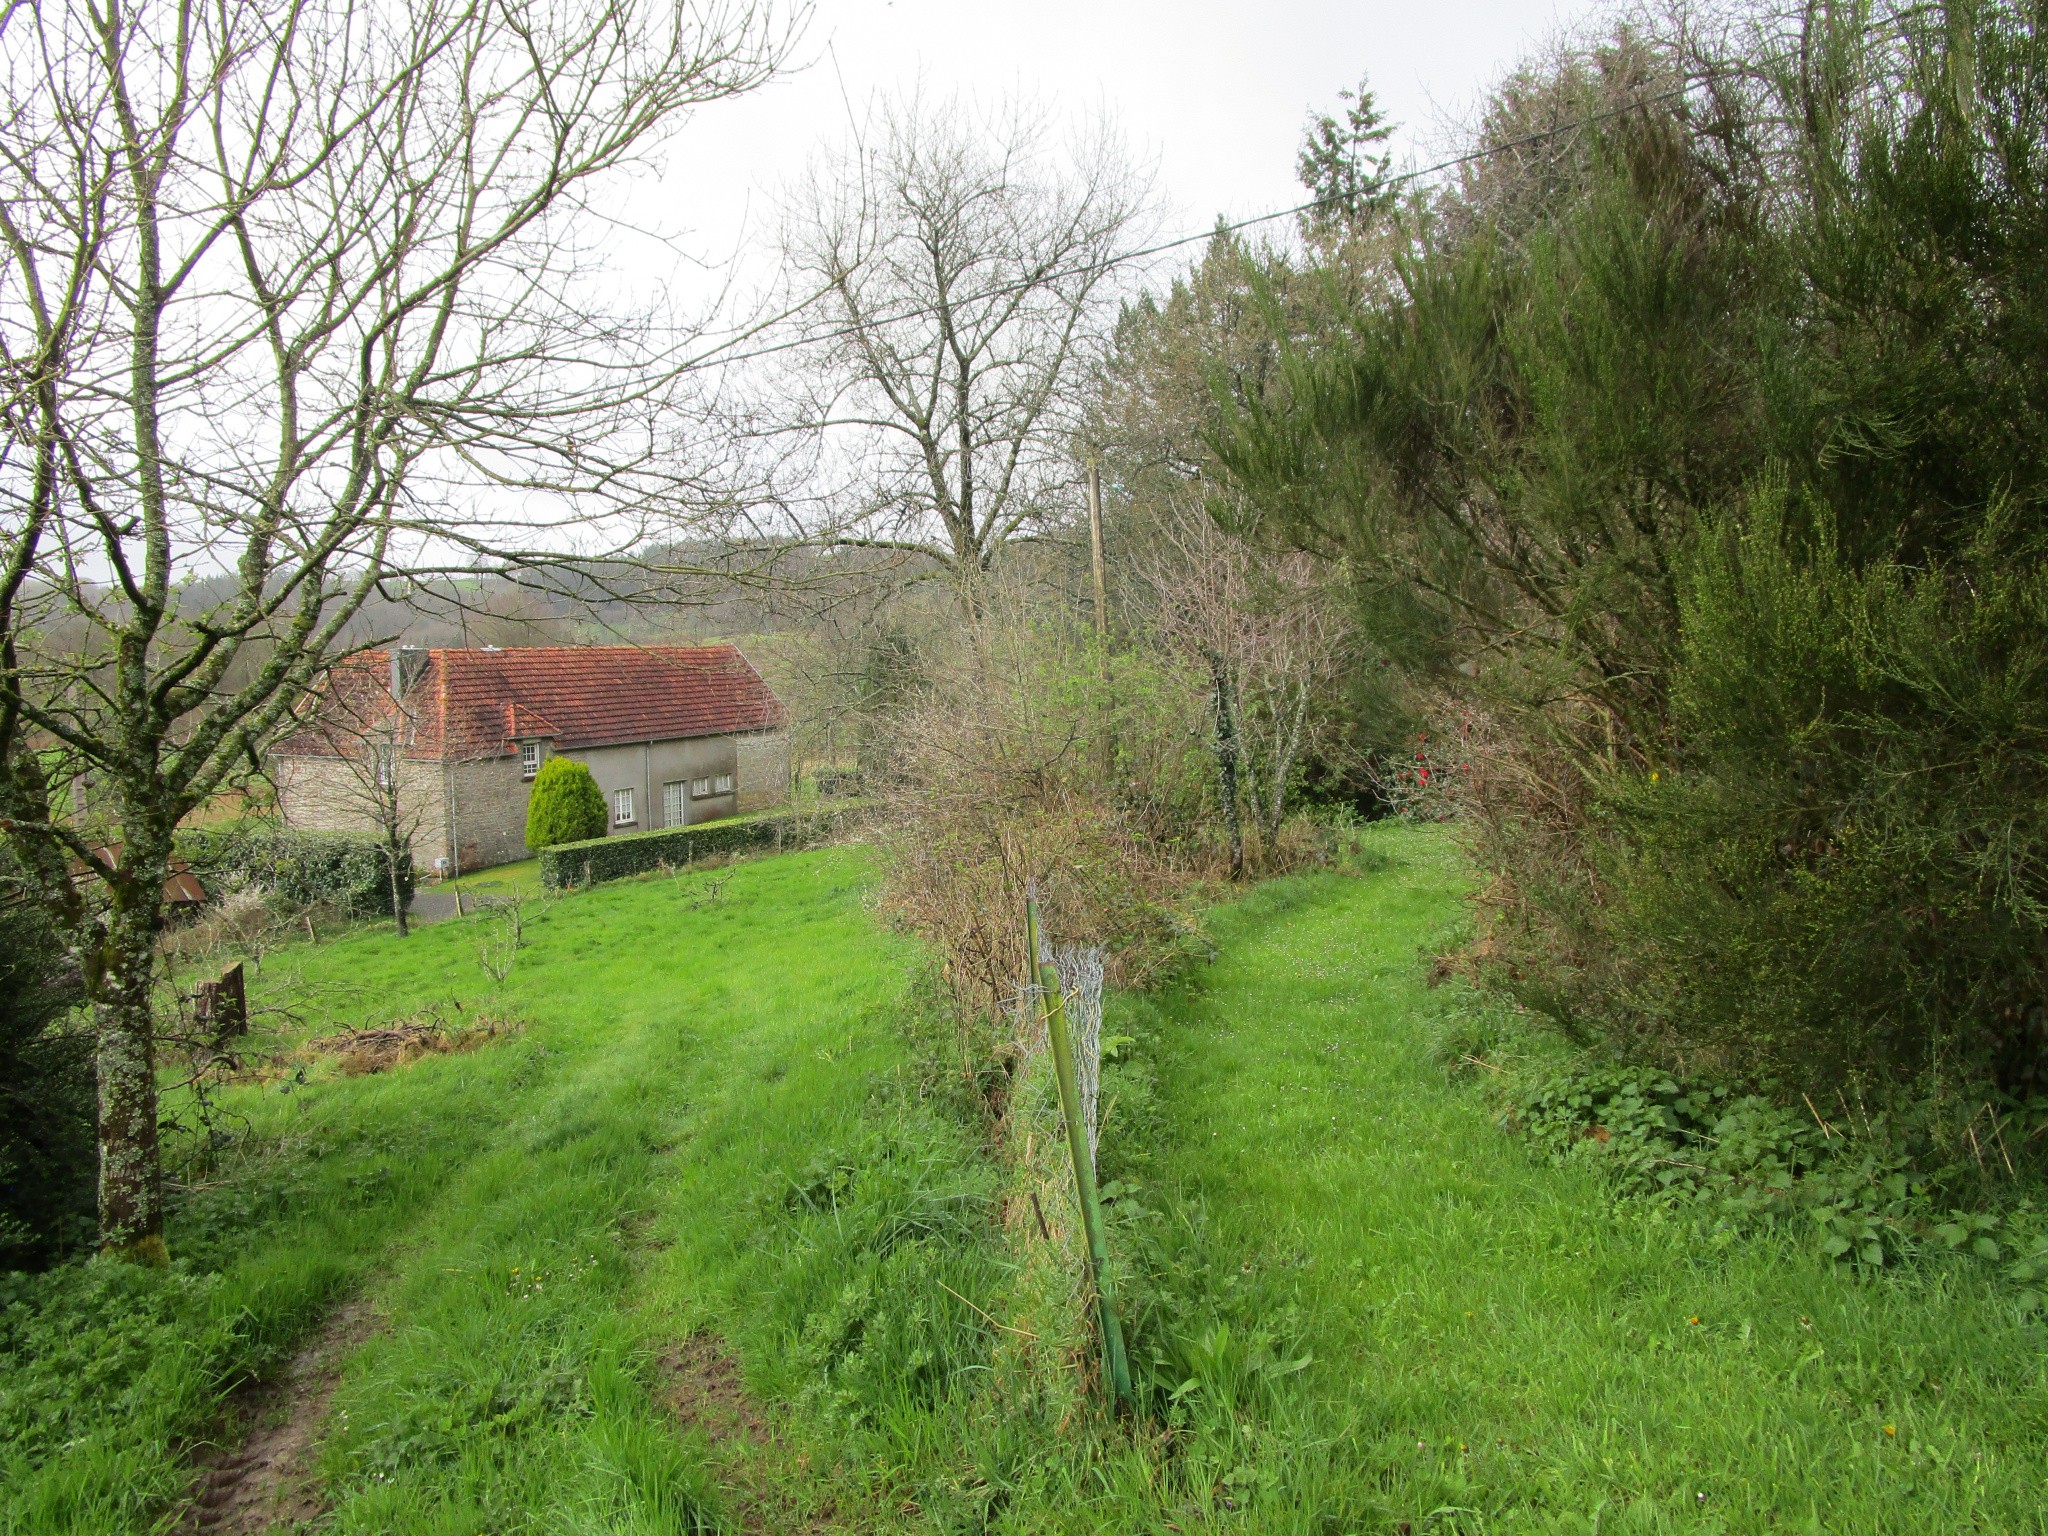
(131, 1199)
(393, 850)
(1227, 753)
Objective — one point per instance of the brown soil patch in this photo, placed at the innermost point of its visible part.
(359, 1052)
(701, 1386)
(268, 1482)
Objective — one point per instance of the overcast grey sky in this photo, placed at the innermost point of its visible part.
(1213, 93)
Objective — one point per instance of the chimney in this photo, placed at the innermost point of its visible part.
(407, 663)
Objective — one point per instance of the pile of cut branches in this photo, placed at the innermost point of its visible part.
(359, 1052)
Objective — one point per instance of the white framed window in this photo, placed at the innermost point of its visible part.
(386, 756)
(529, 759)
(700, 788)
(673, 813)
(723, 784)
(622, 807)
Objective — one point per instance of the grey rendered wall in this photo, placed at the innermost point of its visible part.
(646, 766)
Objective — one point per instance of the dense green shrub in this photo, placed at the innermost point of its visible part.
(301, 869)
(1847, 871)
(48, 1155)
(598, 859)
(1693, 483)
(566, 805)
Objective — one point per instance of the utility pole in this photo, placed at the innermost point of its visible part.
(1095, 543)
(1101, 615)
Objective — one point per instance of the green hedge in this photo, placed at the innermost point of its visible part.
(612, 858)
(342, 869)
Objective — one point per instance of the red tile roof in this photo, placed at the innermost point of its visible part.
(480, 703)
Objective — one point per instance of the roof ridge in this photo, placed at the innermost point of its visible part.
(581, 695)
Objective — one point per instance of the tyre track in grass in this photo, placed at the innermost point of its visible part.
(269, 1479)
(522, 1383)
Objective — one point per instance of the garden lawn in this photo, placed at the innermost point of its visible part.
(1494, 1346)
(499, 881)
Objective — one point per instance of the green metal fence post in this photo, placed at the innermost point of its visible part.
(1116, 1366)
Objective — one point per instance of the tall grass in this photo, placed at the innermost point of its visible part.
(1352, 1300)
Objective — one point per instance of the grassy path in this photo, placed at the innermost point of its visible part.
(712, 1122)
(534, 1224)
(1494, 1347)
(703, 1056)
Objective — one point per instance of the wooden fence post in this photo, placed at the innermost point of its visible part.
(224, 1004)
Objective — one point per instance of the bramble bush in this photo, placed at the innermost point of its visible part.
(1869, 1178)
(1868, 1186)
(1018, 766)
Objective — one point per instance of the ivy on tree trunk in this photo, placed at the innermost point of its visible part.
(1226, 762)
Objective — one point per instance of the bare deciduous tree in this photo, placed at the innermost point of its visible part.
(367, 734)
(1272, 637)
(961, 267)
(282, 279)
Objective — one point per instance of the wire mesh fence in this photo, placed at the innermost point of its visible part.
(1080, 972)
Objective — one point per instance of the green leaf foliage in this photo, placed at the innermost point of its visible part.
(566, 805)
(1868, 1187)
(48, 1155)
(301, 869)
(1695, 470)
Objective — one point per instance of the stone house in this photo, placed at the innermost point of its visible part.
(673, 734)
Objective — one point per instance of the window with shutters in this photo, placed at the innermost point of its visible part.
(622, 807)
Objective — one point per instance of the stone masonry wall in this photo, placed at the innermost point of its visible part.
(763, 770)
(326, 794)
(490, 811)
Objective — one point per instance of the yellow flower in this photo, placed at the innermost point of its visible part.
(1891, 1429)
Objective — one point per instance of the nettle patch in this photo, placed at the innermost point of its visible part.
(1870, 1187)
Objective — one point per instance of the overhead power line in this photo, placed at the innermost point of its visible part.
(1123, 258)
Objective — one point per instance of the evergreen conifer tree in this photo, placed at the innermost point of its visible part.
(567, 806)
